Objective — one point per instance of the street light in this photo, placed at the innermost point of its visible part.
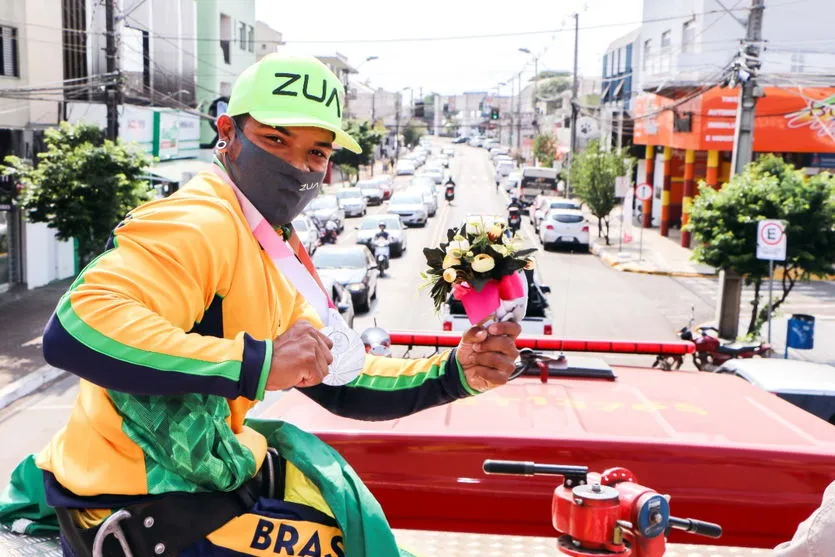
(535, 76)
(369, 59)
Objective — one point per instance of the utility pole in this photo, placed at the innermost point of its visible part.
(113, 92)
(730, 289)
(620, 129)
(574, 107)
(519, 114)
(397, 127)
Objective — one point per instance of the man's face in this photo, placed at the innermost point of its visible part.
(306, 148)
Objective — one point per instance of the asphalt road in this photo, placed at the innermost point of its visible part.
(588, 300)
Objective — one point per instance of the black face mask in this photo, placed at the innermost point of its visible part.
(279, 190)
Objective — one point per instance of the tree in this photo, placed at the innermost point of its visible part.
(545, 149)
(549, 90)
(593, 174)
(82, 185)
(725, 223)
(412, 132)
(368, 137)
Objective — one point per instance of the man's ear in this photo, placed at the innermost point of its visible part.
(225, 128)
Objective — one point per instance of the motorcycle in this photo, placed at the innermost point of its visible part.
(330, 233)
(710, 352)
(449, 193)
(382, 252)
(514, 218)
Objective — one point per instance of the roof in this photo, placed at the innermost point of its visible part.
(777, 375)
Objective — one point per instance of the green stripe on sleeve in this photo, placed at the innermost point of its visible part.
(463, 377)
(398, 382)
(94, 340)
(265, 370)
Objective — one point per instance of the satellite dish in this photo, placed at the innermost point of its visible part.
(587, 127)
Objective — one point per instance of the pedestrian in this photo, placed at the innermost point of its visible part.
(202, 303)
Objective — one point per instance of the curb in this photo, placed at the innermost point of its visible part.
(27, 385)
(613, 263)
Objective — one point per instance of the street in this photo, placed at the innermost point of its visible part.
(588, 300)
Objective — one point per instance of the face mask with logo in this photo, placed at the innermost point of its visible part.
(279, 190)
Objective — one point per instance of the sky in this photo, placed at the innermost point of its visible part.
(443, 64)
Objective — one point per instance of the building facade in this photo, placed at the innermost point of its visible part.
(267, 40)
(31, 91)
(225, 49)
(618, 90)
(686, 116)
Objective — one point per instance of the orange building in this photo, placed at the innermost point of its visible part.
(687, 142)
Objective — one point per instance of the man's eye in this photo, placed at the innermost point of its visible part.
(319, 153)
(276, 139)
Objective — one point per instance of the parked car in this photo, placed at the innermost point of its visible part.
(371, 191)
(410, 206)
(503, 168)
(394, 226)
(342, 299)
(564, 226)
(807, 385)
(430, 197)
(353, 267)
(386, 183)
(405, 166)
(546, 203)
(307, 231)
(352, 202)
(326, 207)
(461, 139)
(537, 321)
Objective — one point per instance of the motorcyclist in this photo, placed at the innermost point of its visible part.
(188, 318)
(381, 232)
(514, 202)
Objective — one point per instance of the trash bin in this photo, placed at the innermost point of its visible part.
(800, 332)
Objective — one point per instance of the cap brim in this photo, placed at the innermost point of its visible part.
(340, 137)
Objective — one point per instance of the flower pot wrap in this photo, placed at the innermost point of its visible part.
(497, 299)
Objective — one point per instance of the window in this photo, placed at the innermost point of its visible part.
(242, 38)
(666, 50)
(251, 39)
(688, 36)
(613, 63)
(647, 53)
(226, 37)
(8, 52)
(620, 60)
(606, 65)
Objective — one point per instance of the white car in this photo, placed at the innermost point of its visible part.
(307, 232)
(549, 203)
(352, 202)
(503, 168)
(405, 166)
(564, 226)
(410, 206)
(429, 197)
(511, 182)
(370, 225)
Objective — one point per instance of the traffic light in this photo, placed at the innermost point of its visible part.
(419, 109)
(494, 113)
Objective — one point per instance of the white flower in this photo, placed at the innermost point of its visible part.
(483, 263)
(450, 261)
(450, 275)
(500, 249)
(458, 247)
(475, 228)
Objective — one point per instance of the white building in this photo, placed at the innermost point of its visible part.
(267, 40)
(619, 89)
(31, 46)
(689, 42)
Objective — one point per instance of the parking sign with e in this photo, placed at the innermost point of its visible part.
(771, 240)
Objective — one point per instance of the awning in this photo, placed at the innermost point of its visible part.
(179, 171)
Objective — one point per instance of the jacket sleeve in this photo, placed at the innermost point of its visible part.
(123, 323)
(390, 388)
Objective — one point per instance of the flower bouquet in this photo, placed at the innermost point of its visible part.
(480, 265)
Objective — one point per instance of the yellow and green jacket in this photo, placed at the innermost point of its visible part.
(170, 331)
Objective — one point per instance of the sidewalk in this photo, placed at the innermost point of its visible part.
(647, 252)
(23, 315)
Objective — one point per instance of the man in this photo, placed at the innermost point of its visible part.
(189, 317)
(382, 233)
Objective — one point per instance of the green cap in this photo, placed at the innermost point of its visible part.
(288, 91)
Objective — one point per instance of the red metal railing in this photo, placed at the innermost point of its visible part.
(550, 343)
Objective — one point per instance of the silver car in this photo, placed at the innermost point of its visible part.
(307, 232)
(429, 197)
(410, 206)
(326, 207)
(352, 202)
